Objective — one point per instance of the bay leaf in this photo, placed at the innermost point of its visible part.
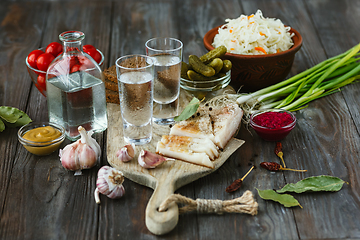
(189, 110)
(2, 125)
(10, 114)
(314, 184)
(13, 117)
(20, 122)
(284, 199)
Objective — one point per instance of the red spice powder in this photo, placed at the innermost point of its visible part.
(273, 120)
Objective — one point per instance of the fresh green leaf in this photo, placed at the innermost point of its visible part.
(284, 199)
(25, 119)
(2, 125)
(189, 110)
(10, 114)
(12, 117)
(315, 184)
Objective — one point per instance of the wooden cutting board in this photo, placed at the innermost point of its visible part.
(165, 179)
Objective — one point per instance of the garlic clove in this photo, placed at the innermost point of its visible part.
(118, 192)
(109, 183)
(88, 140)
(82, 154)
(148, 159)
(68, 157)
(87, 156)
(126, 153)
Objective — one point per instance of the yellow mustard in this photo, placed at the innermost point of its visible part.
(42, 136)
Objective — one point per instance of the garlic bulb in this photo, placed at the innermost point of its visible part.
(148, 159)
(109, 183)
(126, 153)
(82, 154)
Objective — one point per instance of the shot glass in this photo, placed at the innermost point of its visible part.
(167, 54)
(135, 74)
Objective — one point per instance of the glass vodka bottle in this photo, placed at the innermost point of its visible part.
(75, 89)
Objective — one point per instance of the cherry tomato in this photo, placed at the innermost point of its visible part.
(44, 60)
(87, 47)
(85, 62)
(32, 57)
(75, 68)
(41, 80)
(94, 54)
(54, 48)
(73, 61)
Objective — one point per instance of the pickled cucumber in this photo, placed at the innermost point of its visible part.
(227, 66)
(200, 67)
(200, 80)
(220, 75)
(194, 76)
(184, 69)
(215, 53)
(216, 64)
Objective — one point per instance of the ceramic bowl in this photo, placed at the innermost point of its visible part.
(38, 76)
(200, 88)
(254, 72)
(41, 148)
(271, 133)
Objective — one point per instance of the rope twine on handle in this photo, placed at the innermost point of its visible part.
(244, 204)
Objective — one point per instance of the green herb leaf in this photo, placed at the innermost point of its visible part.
(189, 110)
(2, 125)
(20, 122)
(284, 199)
(315, 184)
(10, 114)
(13, 117)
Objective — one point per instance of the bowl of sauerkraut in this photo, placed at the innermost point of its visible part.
(262, 50)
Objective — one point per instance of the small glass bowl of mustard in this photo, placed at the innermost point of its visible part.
(41, 138)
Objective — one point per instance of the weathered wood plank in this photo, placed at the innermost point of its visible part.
(325, 141)
(195, 19)
(336, 143)
(313, 144)
(270, 216)
(133, 24)
(20, 32)
(40, 186)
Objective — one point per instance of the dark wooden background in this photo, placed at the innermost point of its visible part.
(41, 200)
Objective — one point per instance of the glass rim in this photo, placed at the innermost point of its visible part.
(164, 50)
(72, 36)
(135, 55)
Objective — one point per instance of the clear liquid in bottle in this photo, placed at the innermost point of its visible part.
(76, 98)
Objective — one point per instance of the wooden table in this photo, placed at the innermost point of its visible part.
(41, 200)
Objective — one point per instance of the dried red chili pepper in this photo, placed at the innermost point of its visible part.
(275, 167)
(279, 153)
(234, 186)
(238, 182)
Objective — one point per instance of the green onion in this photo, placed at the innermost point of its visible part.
(296, 92)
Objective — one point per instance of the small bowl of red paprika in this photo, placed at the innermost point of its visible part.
(272, 124)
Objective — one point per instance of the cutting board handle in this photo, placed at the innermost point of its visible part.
(161, 222)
